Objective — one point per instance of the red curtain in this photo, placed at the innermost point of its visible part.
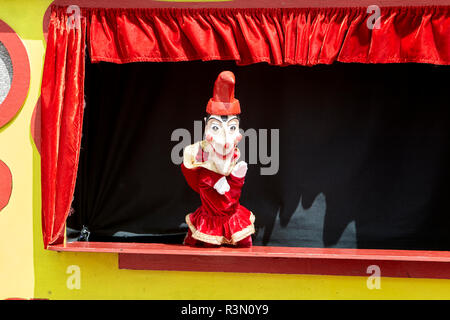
(62, 101)
(276, 36)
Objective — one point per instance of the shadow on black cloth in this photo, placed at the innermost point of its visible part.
(373, 139)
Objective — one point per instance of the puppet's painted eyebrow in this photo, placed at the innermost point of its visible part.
(215, 118)
(223, 118)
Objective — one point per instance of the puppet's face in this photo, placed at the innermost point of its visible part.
(222, 132)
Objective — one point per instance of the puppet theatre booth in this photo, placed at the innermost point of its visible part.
(344, 123)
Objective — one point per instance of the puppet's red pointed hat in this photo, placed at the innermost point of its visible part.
(223, 102)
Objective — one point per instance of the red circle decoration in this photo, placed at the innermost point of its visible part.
(36, 125)
(5, 185)
(46, 22)
(21, 74)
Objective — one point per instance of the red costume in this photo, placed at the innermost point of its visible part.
(220, 219)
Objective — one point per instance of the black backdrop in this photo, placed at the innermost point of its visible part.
(363, 152)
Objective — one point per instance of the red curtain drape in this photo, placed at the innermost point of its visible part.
(276, 36)
(62, 102)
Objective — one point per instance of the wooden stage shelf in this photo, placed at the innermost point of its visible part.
(283, 260)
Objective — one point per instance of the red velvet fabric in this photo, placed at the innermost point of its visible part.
(219, 215)
(62, 95)
(277, 36)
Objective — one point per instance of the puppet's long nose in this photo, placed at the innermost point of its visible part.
(226, 142)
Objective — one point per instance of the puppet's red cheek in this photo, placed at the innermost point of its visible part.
(209, 138)
(239, 138)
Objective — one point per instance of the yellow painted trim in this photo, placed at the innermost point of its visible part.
(17, 277)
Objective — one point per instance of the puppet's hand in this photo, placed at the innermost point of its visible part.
(240, 169)
(222, 185)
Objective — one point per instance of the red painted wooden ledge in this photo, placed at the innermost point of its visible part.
(283, 260)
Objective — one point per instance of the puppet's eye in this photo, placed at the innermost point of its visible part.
(215, 128)
(233, 127)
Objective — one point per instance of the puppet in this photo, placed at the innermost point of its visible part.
(212, 169)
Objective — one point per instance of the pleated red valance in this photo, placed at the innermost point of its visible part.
(276, 36)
